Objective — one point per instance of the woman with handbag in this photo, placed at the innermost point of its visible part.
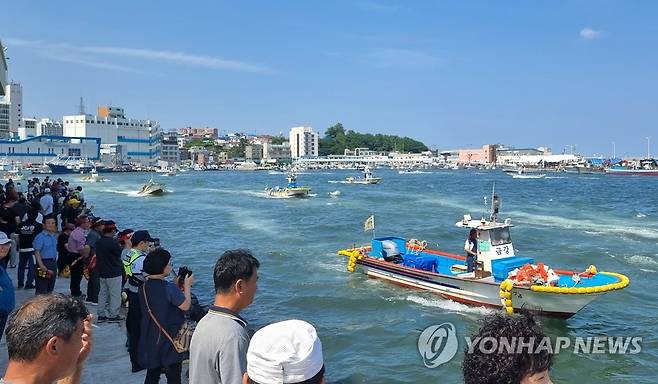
(164, 333)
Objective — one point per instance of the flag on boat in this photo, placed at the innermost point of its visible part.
(369, 224)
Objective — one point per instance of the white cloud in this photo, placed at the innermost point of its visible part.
(400, 58)
(69, 50)
(590, 34)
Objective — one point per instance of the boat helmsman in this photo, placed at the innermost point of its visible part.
(471, 248)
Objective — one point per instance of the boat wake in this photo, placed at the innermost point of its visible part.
(123, 192)
(447, 305)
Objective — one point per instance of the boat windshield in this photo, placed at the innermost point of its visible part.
(500, 236)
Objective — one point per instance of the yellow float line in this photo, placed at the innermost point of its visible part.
(621, 284)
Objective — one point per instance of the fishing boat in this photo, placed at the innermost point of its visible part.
(151, 188)
(367, 178)
(290, 191)
(73, 164)
(501, 279)
(645, 167)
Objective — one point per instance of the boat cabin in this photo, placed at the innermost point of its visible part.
(496, 257)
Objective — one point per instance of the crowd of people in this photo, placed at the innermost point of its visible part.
(54, 233)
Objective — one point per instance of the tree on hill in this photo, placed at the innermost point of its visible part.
(336, 140)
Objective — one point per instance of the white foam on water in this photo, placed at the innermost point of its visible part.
(123, 192)
(640, 215)
(639, 260)
(600, 227)
(556, 177)
(647, 270)
(448, 305)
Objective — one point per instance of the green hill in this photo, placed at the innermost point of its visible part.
(336, 140)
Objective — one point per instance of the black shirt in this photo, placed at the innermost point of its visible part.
(108, 257)
(27, 231)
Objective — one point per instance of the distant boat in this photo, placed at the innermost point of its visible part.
(521, 174)
(73, 164)
(646, 167)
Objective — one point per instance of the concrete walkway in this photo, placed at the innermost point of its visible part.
(109, 361)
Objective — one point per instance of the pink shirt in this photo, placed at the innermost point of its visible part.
(76, 241)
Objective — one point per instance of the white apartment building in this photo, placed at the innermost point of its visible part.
(140, 139)
(276, 152)
(4, 118)
(304, 142)
(14, 97)
(47, 127)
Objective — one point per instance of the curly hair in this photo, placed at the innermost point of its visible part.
(506, 366)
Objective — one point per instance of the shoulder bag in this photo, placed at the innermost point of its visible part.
(182, 340)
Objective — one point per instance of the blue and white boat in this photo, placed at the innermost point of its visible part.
(501, 279)
(73, 164)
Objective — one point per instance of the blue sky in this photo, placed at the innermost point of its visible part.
(450, 73)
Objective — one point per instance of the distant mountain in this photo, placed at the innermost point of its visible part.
(336, 140)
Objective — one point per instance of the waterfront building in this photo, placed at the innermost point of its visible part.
(140, 139)
(14, 97)
(40, 149)
(485, 155)
(392, 159)
(4, 119)
(304, 142)
(171, 153)
(253, 152)
(276, 153)
(28, 129)
(47, 127)
(533, 156)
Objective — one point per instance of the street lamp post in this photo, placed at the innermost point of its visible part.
(648, 147)
(614, 150)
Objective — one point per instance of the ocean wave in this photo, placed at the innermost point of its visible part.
(585, 225)
(640, 215)
(639, 260)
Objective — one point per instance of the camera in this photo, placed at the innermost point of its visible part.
(183, 272)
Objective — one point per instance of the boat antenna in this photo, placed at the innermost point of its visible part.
(495, 204)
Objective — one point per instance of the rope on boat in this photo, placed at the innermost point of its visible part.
(353, 255)
(621, 284)
(506, 295)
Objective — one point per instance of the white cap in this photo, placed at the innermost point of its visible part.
(284, 352)
(3, 238)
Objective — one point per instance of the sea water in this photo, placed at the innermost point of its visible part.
(369, 328)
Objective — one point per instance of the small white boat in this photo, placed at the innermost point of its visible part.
(93, 177)
(522, 174)
(151, 188)
(529, 176)
(411, 171)
(367, 178)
